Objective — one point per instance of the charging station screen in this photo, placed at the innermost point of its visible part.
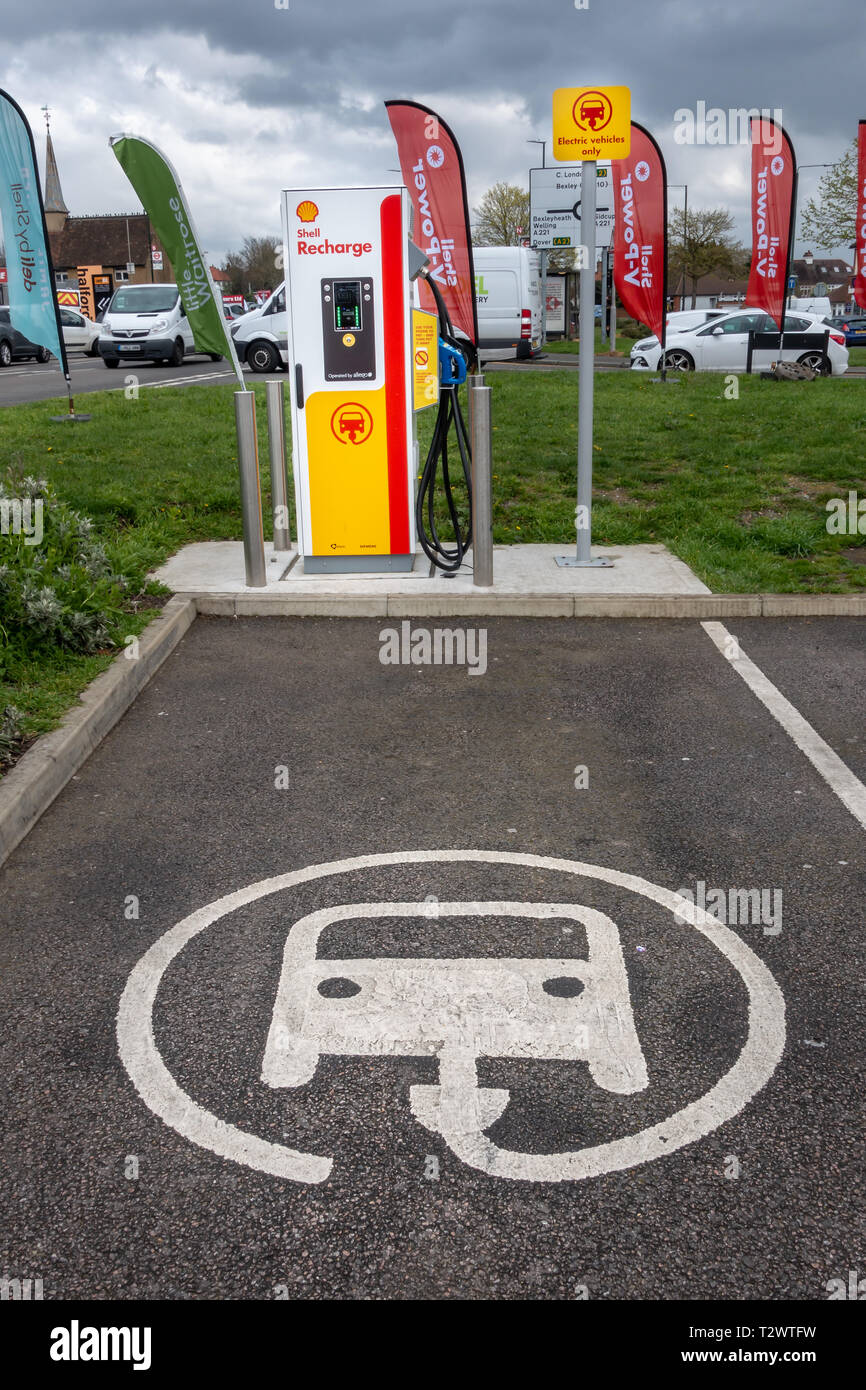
(347, 305)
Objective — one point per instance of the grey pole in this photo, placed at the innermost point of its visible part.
(583, 514)
(482, 503)
(587, 364)
(612, 332)
(543, 299)
(251, 491)
(603, 296)
(473, 381)
(685, 234)
(275, 400)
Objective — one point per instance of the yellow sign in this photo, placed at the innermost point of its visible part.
(591, 123)
(425, 359)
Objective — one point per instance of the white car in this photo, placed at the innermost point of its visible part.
(80, 331)
(722, 345)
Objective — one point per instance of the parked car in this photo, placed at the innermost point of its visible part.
(234, 311)
(14, 346)
(80, 331)
(854, 328)
(722, 345)
(146, 322)
(509, 301)
(261, 337)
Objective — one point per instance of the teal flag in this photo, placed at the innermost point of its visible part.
(162, 198)
(29, 272)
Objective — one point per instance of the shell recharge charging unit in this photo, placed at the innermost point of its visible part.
(349, 299)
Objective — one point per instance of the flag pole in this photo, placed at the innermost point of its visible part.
(63, 361)
(792, 222)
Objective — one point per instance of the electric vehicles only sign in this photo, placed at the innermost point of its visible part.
(591, 122)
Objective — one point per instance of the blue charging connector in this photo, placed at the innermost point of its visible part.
(452, 365)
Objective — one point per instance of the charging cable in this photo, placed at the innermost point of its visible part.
(455, 357)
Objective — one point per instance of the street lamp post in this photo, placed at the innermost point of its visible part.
(685, 188)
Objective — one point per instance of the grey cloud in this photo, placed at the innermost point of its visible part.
(320, 58)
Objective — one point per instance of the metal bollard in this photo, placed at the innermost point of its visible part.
(472, 381)
(251, 490)
(277, 453)
(482, 503)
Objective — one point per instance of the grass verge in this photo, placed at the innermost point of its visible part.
(735, 487)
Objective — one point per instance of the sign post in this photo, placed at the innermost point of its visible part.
(588, 124)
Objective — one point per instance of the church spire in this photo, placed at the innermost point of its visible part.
(53, 192)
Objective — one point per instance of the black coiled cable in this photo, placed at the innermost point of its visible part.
(448, 558)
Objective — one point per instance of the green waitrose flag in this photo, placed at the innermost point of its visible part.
(162, 198)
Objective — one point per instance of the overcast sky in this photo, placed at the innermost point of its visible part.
(246, 99)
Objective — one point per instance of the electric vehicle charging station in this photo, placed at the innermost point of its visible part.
(351, 364)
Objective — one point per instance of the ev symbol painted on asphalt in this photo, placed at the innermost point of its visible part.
(457, 1010)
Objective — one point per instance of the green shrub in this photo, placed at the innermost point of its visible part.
(10, 733)
(632, 329)
(57, 590)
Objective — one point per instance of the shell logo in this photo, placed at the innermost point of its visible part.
(307, 211)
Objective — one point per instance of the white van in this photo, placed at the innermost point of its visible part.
(509, 301)
(146, 323)
(818, 305)
(261, 337)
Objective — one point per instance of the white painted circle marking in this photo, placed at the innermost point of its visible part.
(761, 1053)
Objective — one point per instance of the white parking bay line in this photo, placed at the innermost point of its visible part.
(849, 789)
(180, 380)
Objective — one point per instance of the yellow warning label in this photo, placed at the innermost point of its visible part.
(348, 473)
(591, 123)
(425, 359)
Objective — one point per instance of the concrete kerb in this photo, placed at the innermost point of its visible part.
(29, 789)
(488, 603)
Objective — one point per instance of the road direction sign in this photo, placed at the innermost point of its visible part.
(554, 196)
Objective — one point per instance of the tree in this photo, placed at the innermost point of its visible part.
(257, 266)
(832, 219)
(699, 243)
(560, 260)
(502, 217)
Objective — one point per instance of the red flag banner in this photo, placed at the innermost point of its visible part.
(774, 170)
(432, 169)
(860, 253)
(640, 191)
